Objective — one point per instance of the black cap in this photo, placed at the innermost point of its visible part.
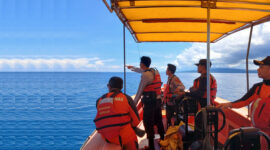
(265, 61)
(172, 68)
(203, 62)
(116, 82)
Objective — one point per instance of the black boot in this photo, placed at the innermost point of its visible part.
(151, 145)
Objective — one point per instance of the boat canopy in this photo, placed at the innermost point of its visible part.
(186, 20)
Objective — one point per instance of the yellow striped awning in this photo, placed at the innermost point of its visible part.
(186, 20)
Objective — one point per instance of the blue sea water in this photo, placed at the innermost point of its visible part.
(55, 111)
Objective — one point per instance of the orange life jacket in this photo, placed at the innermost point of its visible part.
(109, 121)
(260, 110)
(213, 89)
(155, 86)
(167, 92)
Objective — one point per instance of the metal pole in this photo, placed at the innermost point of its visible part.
(124, 38)
(249, 41)
(208, 54)
(247, 75)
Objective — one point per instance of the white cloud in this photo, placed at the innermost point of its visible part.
(175, 62)
(99, 62)
(116, 67)
(266, 28)
(56, 64)
(168, 56)
(230, 51)
(162, 68)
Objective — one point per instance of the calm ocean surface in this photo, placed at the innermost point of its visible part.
(55, 111)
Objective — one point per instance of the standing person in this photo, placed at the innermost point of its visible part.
(199, 88)
(259, 96)
(173, 91)
(117, 116)
(150, 89)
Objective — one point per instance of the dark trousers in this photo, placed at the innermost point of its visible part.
(170, 112)
(152, 116)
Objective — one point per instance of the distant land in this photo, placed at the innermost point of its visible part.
(225, 70)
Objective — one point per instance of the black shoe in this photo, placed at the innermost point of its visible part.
(139, 132)
(148, 148)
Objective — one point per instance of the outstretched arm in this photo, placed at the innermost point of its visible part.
(244, 101)
(135, 69)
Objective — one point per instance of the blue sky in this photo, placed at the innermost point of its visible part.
(82, 35)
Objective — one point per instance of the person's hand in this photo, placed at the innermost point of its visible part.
(129, 66)
(224, 105)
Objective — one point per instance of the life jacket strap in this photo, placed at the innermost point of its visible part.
(107, 140)
(120, 141)
(105, 117)
(155, 83)
(113, 125)
(259, 90)
(170, 83)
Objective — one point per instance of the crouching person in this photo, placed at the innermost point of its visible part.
(117, 116)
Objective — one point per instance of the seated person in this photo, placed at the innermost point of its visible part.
(259, 96)
(117, 116)
(199, 88)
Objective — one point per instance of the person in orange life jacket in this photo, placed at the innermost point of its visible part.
(117, 116)
(150, 90)
(174, 91)
(259, 96)
(199, 88)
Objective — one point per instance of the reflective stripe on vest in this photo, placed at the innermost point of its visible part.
(260, 113)
(155, 86)
(108, 121)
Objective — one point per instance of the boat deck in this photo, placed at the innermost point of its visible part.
(235, 118)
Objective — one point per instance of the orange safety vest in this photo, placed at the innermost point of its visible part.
(109, 121)
(167, 93)
(213, 89)
(260, 111)
(155, 86)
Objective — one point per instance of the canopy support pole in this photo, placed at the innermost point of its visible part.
(208, 55)
(124, 41)
(208, 68)
(247, 74)
(249, 41)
